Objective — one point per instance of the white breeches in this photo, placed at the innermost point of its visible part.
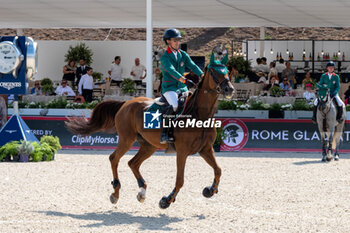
(171, 97)
(337, 98)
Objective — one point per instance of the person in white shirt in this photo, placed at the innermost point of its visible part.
(116, 71)
(86, 85)
(265, 68)
(138, 71)
(63, 89)
(280, 66)
(309, 96)
(273, 70)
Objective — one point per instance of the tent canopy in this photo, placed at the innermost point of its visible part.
(173, 13)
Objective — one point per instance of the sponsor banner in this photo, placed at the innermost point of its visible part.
(275, 135)
(242, 134)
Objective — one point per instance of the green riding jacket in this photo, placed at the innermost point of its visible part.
(333, 84)
(173, 69)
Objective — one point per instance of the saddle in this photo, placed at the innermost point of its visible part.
(161, 103)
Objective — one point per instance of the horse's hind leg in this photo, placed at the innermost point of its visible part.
(145, 151)
(209, 156)
(123, 146)
(336, 140)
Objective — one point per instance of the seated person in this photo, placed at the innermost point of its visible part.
(286, 87)
(36, 90)
(262, 78)
(63, 89)
(307, 79)
(309, 96)
(273, 82)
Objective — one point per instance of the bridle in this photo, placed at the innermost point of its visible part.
(215, 76)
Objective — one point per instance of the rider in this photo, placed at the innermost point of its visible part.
(332, 81)
(172, 64)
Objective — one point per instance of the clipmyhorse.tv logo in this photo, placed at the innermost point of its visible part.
(153, 120)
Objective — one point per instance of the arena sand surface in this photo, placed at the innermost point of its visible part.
(259, 192)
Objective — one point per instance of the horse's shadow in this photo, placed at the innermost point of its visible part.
(111, 218)
(308, 162)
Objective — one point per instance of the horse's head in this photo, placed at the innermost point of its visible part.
(324, 98)
(218, 73)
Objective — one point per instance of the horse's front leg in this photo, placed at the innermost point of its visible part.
(330, 140)
(180, 163)
(323, 141)
(209, 156)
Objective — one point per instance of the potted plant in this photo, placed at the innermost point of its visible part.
(53, 143)
(276, 111)
(128, 86)
(80, 51)
(219, 140)
(47, 86)
(276, 91)
(97, 76)
(9, 151)
(25, 148)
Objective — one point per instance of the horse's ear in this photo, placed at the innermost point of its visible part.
(224, 60)
(212, 58)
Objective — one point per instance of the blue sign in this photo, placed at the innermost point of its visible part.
(151, 120)
(16, 129)
(13, 54)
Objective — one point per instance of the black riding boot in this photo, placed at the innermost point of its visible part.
(340, 114)
(314, 115)
(166, 135)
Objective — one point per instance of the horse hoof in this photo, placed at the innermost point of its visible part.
(329, 159)
(336, 158)
(141, 198)
(324, 159)
(163, 203)
(113, 199)
(208, 192)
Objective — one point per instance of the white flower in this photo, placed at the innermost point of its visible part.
(266, 106)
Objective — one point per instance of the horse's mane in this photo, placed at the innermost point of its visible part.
(191, 106)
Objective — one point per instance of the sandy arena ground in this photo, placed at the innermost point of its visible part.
(259, 192)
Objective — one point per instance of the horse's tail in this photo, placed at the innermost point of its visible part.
(102, 119)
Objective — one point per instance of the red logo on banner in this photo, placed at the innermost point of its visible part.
(236, 134)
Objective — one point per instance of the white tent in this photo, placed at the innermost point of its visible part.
(172, 13)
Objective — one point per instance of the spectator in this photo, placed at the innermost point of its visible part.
(262, 78)
(347, 96)
(80, 70)
(307, 79)
(116, 71)
(273, 70)
(280, 66)
(138, 72)
(289, 74)
(64, 90)
(36, 90)
(273, 82)
(264, 66)
(233, 75)
(86, 85)
(257, 67)
(69, 71)
(286, 87)
(309, 96)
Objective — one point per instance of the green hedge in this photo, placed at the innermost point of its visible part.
(258, 105)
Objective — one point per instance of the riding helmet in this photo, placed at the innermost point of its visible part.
(330, 64)
(171, 33)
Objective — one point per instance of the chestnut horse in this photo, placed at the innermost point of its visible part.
(127, 119)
